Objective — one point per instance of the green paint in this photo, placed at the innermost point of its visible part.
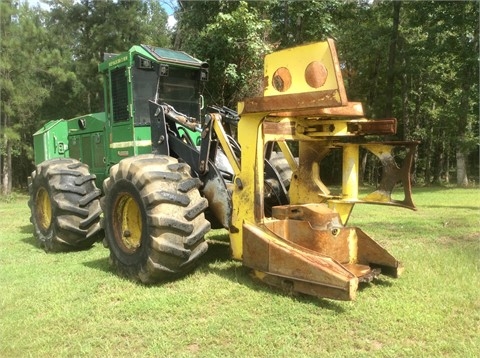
(122, 130)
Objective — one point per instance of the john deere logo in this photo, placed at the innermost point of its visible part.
(118, 60)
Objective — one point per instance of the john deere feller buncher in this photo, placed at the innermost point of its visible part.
(165, 169)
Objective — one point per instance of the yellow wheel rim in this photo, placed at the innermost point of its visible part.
(127, 223)
(43, 210)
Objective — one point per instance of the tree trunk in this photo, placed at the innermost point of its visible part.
(447, 169)
(7, 168)
(6, 163)
(391, 60)
(363, 167)
(462, 178)
(414, 176)
(406, 115)
(373, 79)
(428, 171)
(429, 150)
(439, 161)
(463, 128)
(405, 79)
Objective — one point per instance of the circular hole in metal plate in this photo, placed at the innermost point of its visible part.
(316, 74)
(282, 79)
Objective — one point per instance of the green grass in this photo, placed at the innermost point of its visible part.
(63, 305)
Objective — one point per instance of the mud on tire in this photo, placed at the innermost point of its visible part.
(64, 205)
(153, 218)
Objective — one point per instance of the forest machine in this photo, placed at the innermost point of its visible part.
(171, 169)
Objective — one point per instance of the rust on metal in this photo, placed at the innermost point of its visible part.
(327, 127)
(307, 248)
(279, 128)
(305, 270)
(282, 79)
(379, 126)
(392, 173)
(320, 99)
(319, 216)
(316, 74)
(350, 110)
(307, 178)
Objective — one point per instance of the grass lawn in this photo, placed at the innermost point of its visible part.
(64, 305)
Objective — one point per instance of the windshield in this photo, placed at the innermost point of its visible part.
(177, 86)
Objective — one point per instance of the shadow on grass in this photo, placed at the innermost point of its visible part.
(26, 229)
(476, 208)
(30, 240)
(376, 282)
(431, 188)
(218, 261)
(101, 264)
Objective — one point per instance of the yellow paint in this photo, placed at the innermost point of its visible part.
(287, 154)
(343, 208)
(259, 274)
(128, 222)
(306, 185)
(379, 149)
(43, 209)
(350, 172)
(222, 137)
(297, 62)
(137, 143)
(317, 136)
(251, 178)
(352, 247)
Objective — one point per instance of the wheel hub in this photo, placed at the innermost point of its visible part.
(43, 209)
(128, 223)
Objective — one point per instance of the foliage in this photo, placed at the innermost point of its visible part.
(234, 44)
(417, 61)
(28, 71)
(445, 49)
(49, 63)
(294, 23)
(94, 28)
(435, 88)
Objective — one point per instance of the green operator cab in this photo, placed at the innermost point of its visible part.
(130, 80)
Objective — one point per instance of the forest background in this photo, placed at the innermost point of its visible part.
(417, 61)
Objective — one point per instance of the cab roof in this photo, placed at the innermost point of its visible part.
(153, 53)
(168, 55)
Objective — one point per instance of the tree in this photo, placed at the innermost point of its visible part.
(26, 72)
(49, 61)
(443, 53)
(234, 44)
(419, 64)
(96, 27)
(392, 59)
(416, 61)
(299, 22)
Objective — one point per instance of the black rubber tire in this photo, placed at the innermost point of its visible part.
(153, 218)
(64, 205)
(280, 163)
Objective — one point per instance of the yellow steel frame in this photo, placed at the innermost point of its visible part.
(249, 181)
(295, 107)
